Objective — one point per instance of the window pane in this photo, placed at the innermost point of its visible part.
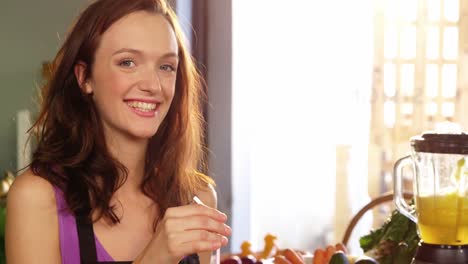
(389, 79)
(450, 43)
(407, 109)
(432, 80)
(448, 109)
(451, 10)
(433, 10)
(409, 10)
(431, 109)
(407, 79)
(432, 43)
(406, 120)
(408, 42)
(390, 10)
(391, 42)
(389, 114)
(449, 80)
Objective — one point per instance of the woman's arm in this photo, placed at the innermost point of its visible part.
(32, 223)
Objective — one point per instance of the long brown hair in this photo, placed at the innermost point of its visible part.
(71, 151)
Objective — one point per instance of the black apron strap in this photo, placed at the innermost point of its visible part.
(88, 253)
(86, 240)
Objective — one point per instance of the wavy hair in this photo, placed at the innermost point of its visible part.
(71, 152)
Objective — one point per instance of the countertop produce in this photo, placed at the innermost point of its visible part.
(271, 254)
(336, 254)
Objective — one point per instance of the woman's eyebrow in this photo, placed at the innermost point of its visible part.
(139, 52)
(122, 50)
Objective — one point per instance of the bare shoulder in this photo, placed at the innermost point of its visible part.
(208, 195)
(32, 225)
(29, 189)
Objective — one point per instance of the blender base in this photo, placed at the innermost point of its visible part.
(438, 254)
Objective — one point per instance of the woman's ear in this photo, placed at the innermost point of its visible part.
(80, 74)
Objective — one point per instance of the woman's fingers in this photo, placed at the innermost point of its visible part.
(197, 223)
(192, 228)
(195, 209)
(200, 246)
(199, 235)
(189, 242)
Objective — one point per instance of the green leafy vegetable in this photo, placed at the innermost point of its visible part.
(393, 243)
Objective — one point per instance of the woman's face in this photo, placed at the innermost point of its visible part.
(134, 74)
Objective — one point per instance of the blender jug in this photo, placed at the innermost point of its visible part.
(439, 187)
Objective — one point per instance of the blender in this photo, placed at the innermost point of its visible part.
(440, 189)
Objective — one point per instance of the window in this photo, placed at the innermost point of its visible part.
(417, 83)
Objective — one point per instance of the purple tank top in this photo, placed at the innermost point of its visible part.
(69, 245)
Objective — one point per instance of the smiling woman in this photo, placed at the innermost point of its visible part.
(141, 78)
(119, 144)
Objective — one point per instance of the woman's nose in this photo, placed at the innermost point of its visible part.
(151, 81)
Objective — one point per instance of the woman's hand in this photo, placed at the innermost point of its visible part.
(185, 230)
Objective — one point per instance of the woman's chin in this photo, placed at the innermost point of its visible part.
(144, 134)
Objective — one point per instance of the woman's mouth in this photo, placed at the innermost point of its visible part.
(142, 106)
(143, 109)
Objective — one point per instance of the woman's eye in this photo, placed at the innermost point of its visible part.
(127, 63)
(167, 67)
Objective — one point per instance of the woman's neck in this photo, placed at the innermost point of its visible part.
(132, 154)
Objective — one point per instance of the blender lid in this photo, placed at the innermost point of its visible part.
(441, 143)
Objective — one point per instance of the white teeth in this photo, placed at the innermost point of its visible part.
(142, 106)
